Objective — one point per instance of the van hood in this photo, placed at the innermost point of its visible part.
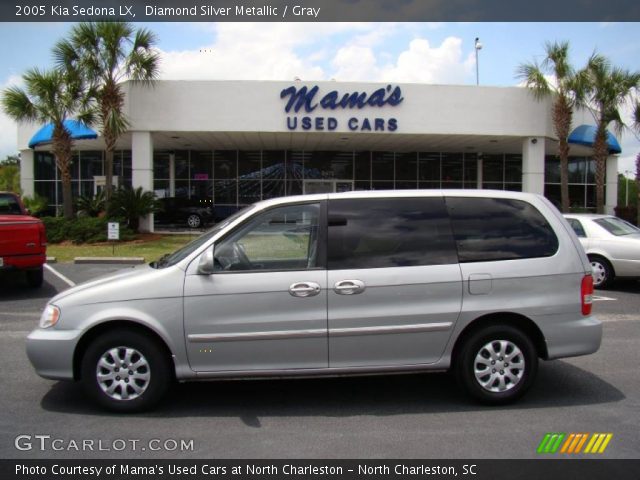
(134, 283)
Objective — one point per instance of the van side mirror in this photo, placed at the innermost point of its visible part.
(205, 265)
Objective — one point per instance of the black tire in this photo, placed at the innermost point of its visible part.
(603, 274)
(476, 345)
(159, 369)
(194, 221)
(35, 277)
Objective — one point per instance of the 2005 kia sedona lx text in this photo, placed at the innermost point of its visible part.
(481, 282)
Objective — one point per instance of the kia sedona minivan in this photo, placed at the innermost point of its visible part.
(481, 282)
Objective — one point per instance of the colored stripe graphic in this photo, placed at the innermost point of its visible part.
(598, 443)
(573, 443)
(550, 442)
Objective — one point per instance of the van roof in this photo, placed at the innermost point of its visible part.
(401, 194)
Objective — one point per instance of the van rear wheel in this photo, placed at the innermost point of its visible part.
(497, 364)
(124, 371)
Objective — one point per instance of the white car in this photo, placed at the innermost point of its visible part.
(612, 245)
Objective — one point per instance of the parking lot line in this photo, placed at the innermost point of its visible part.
(598, 298)
(59, 275)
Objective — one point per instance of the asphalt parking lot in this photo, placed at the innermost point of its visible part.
(405, 416)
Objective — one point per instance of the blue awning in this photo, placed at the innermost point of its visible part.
(78, 131)
(586, 134)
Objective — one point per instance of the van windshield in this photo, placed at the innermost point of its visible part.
(172, 258)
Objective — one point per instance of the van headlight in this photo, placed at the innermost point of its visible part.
(50, 316)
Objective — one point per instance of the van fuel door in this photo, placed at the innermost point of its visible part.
(480, 284)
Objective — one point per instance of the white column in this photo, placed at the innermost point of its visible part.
(26, 173)
(142, 169)
(533, 165)
(611, 182)
(480, 173)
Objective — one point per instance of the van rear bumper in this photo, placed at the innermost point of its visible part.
(571, 338)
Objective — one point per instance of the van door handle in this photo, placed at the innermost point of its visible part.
(304, 289)
(349, 287)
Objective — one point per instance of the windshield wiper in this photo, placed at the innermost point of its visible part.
(160, 262)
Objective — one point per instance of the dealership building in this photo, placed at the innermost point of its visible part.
(232, 143)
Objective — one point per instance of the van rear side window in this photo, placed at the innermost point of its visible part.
(491, 229)
(389, 232)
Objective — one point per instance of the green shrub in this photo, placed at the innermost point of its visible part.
(81, 230)
(35, 204)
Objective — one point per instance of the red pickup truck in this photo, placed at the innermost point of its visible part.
(23, 241)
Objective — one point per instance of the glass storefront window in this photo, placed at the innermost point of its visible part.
(452, 168)
(328, 165)
(125, 177)
(44, 166)
(182, 164)
(362, 161)
(249, 191)
(551, 169)
(493, 169)
(225, 192)
(407, 166)
(225, 164)
(429, 167)
(160, 165)
(250, 165)
(513, 168)
(272, 189)
(273, 165)
(382, 167)
(470, 170)
(161, 188)
(201, 165)
(90, 165)
(295, 166)
(74, 168)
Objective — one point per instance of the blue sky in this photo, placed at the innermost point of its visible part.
(402, 52)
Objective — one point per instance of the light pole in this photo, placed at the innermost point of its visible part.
(478, 47)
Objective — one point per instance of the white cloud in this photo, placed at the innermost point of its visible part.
(431, 64)
(344, 51)
(8, 128)
(264, 51)
(421, 62)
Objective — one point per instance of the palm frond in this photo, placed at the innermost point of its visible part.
(534, 79)
(17, 105)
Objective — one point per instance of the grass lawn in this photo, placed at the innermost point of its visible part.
(149, 246)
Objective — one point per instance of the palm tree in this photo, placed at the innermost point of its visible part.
(567, 90)
(609, 89)
(109, 53)
(131, 204)
(52, 97)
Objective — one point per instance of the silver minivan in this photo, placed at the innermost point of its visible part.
(480, 282)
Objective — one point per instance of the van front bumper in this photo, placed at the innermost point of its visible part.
(50, 351)
(572, 337)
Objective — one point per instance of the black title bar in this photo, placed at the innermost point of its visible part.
(584, 469)
(320, 10)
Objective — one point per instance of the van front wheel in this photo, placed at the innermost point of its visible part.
(124, 371)
(497, 364)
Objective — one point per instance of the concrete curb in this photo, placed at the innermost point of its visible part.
(110, 260)
(52, 260)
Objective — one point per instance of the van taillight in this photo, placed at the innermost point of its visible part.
(586, 294)
(43, 235)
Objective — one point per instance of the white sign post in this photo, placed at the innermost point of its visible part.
(113, 233)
